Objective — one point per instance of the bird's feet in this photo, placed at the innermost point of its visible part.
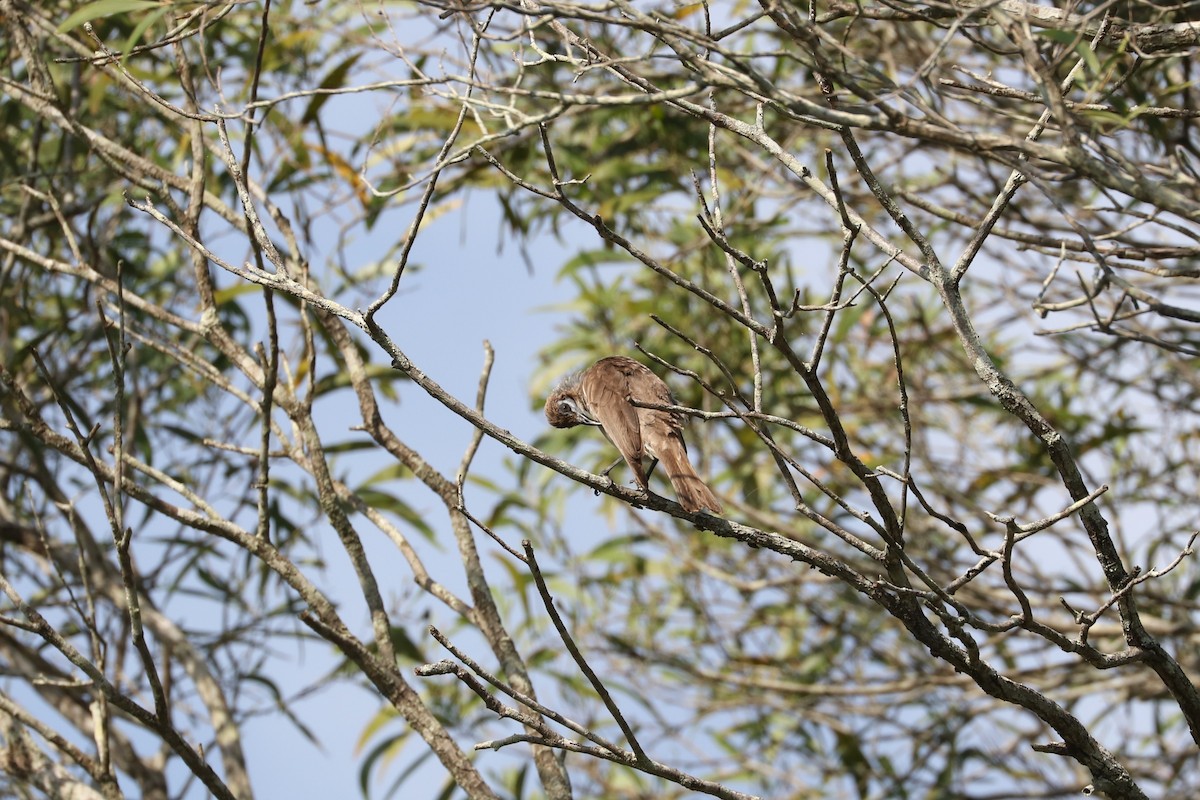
(611, 482)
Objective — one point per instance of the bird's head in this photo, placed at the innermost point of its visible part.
(566, 409)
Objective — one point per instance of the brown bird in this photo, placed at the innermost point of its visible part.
(601, 395)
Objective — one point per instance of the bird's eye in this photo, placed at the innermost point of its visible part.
(566, 407)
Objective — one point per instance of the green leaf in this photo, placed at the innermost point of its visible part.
(1060, 36)
(390, 473)
(142, 26)
(223, 296)
(104, 8)
(335, 79)
(1089, 56)
(385, 501)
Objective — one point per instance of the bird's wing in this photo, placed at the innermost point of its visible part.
(646, 387)
(605, 389)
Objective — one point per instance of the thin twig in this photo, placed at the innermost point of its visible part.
(573, 649)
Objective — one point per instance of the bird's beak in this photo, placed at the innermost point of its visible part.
(588, 420)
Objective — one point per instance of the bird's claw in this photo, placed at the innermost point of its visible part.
(611, 483)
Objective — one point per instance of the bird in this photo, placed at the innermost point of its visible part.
(602, 395)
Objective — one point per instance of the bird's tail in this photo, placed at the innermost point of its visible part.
(692, 492)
